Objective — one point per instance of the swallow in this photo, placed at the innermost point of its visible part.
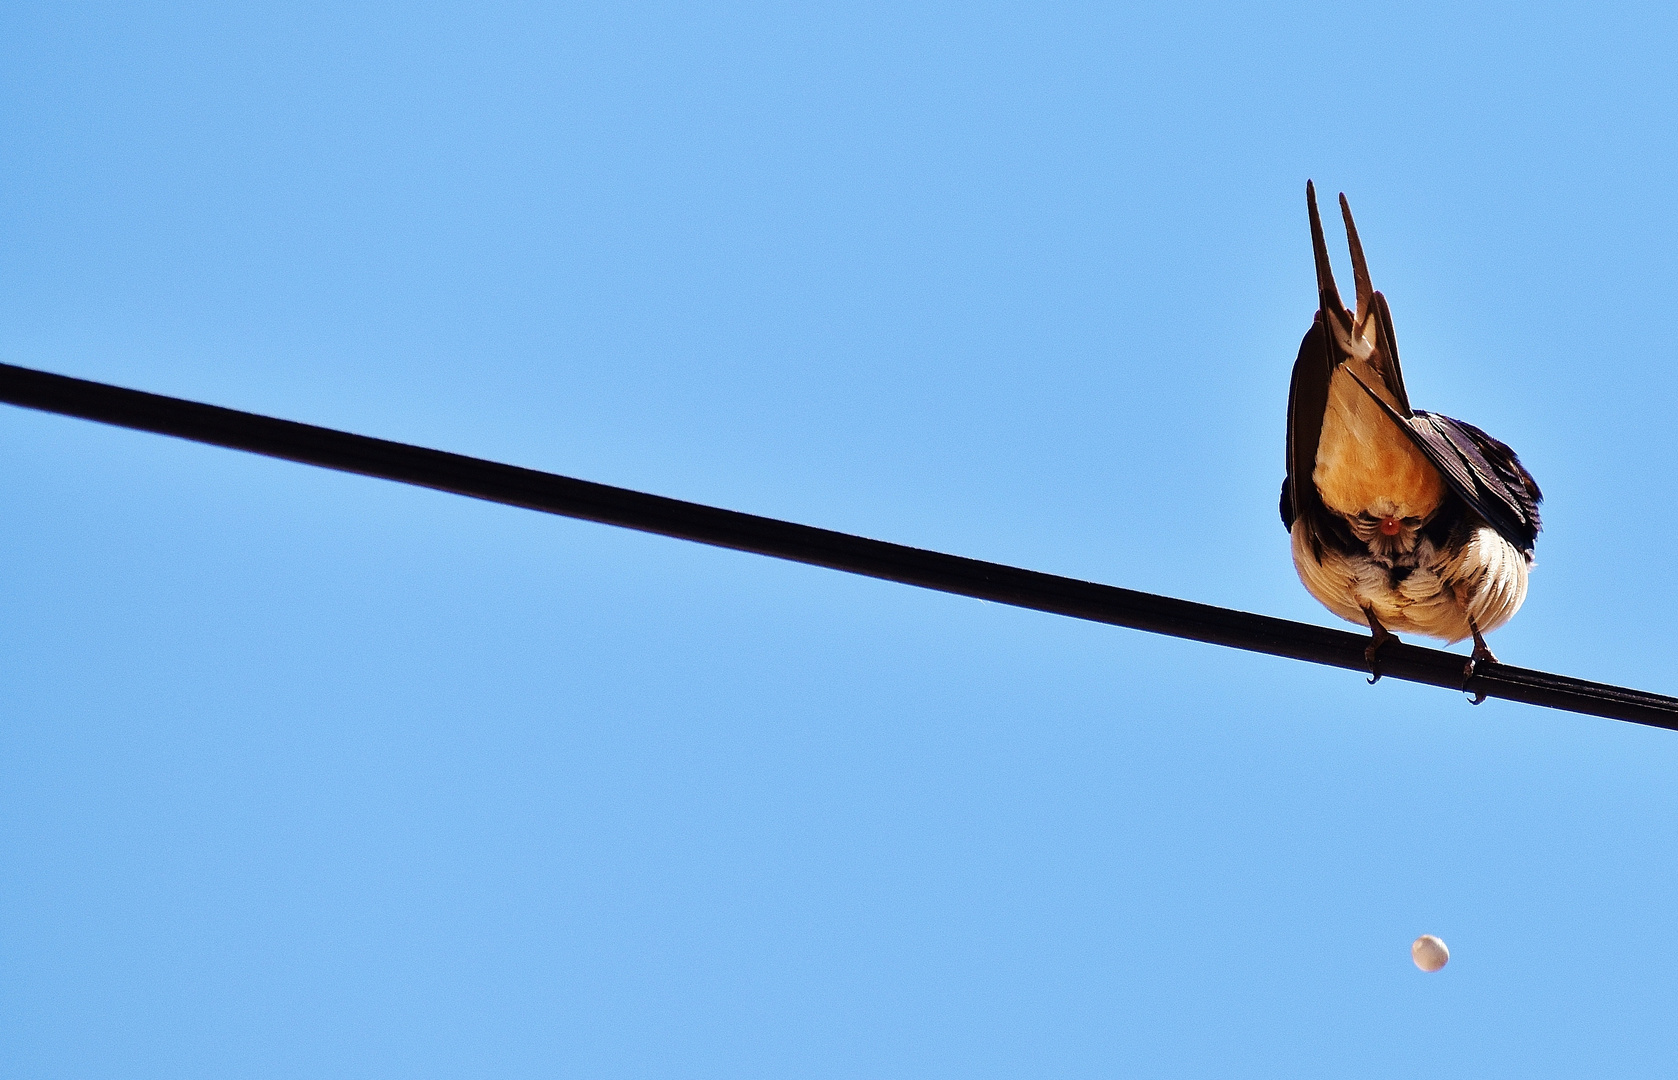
(1400, 519)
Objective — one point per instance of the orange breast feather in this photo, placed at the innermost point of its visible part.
(1365, 464)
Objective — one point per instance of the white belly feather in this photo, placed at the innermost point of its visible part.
(1486, 580)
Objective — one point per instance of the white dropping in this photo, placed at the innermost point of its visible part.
(1429, 953)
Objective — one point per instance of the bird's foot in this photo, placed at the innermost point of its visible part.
(1380, 635)
(1482, 655)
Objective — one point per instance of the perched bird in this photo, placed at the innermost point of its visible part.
(1401, 519)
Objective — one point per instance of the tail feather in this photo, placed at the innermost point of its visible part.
(1328, 296)
(1360, 268)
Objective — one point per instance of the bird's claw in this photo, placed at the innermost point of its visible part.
(1372, 654)
(1481, 655)
(1372, 657)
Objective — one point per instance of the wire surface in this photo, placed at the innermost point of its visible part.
(1002, 584)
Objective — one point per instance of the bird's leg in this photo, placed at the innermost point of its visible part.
(1482, 655)
(1381, 635)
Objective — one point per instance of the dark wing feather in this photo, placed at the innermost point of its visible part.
(1505, 494)
(1386, 352)
(1307, 402)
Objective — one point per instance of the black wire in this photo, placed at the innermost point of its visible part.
(802, 543)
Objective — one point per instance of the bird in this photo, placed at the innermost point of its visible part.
(1400, 520)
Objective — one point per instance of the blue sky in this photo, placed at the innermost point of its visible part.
(311, 775)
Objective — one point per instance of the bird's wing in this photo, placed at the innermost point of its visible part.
(1505, 494)
(1483, 472)
(1307, 403)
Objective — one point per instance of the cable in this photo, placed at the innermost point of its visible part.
(565, 496)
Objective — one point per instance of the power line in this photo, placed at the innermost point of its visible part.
(568, 497)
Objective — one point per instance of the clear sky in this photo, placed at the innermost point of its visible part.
(304, 774)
